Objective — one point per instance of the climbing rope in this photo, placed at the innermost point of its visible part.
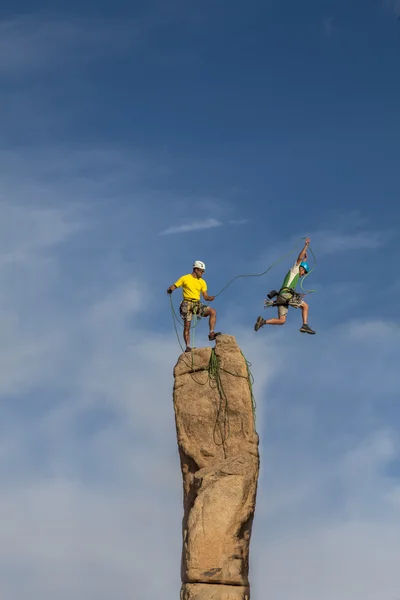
(195, 322)
(250, 379)
(269, 269)
(309, 272)
(221, 431)
(222, 419)
(196, 319)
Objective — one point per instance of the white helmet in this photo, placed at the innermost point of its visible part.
(198, 264)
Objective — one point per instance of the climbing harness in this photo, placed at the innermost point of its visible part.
(280, 299)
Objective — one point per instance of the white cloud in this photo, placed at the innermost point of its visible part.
(91, 490)
(346, 547)
(200, 225)
(32, 42)
(25, 230)
(350, 560)
(36, 43)
(82, 508)
(330, 242)
(91, 496)
(323, 243)
(61, 538)
(193, 226)
(373, 330)
(239, 221)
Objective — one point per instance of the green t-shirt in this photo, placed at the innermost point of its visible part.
(292, 277)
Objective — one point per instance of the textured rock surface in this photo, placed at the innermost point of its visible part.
(218, 448)
(201, 591)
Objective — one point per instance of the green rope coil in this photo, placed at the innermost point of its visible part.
(222, 419)
(214, 373)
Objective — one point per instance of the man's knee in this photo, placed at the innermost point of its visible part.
(304, 304)
(210, 312)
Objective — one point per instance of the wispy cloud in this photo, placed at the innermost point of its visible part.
(239, 221)
(198, 225)
(324, 242)
(335, 536)
(32, 230)
(102, 406)
(30, 43)
(329, 242)
(95, 460)
(324, 505)
(193, 226)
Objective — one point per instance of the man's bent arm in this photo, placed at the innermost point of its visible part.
(208, 298)
(171, 289)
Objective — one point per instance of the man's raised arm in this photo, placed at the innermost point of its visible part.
(303, 254)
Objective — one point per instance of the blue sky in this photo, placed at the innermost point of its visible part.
(136, 138)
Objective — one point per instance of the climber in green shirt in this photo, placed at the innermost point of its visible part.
(287, 293)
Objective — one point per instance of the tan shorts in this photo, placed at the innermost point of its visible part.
(188, 308)
(295, 300)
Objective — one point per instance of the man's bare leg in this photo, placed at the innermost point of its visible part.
(261, 322)
(304, 312)
(186, 333)
(305, 328)
(279, 321)
(212, 313)
(212, 321)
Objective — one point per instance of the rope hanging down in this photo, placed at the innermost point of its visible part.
(213, 369)
(222, 420)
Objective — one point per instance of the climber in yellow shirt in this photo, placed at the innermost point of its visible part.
(193, 285)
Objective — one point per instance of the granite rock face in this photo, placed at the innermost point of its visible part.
(206, 591)
(218, 448)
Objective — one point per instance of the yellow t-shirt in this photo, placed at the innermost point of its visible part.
(191, 287)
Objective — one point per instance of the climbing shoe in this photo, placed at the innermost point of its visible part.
(213, 335)
(306, 329)
(259, 323)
